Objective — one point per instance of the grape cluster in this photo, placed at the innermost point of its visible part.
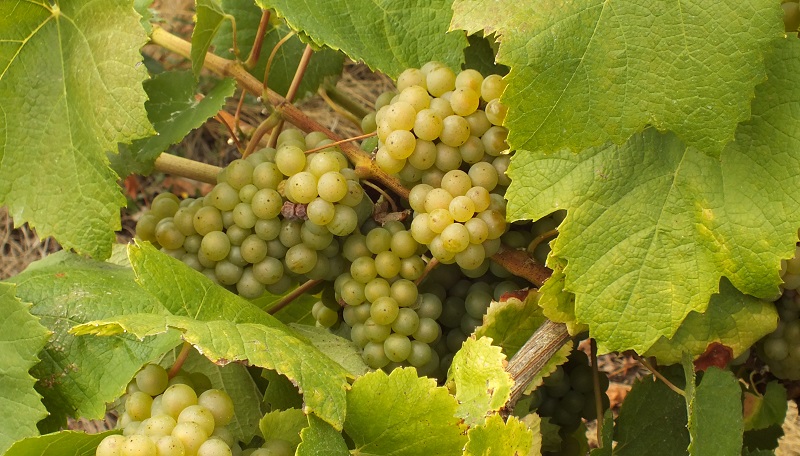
(438, 122)
(780, 350)
(567, 395)
(273, 218)
(166, 417)
(389, 321)
(458, 220)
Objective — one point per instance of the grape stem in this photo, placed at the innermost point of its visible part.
(658, 375)
(383, 193)
(598, 402)
(345, 102)
(270, 123)
(336, 143)
(255, 51)
(292, 92)
(363, 163)
(541, 238)
(338, 108)
(428, 268)
(296, 293)
(264, 88)
(180, 359)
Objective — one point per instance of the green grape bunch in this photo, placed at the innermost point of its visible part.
(172, 417)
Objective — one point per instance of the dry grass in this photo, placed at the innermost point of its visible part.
(20, 247)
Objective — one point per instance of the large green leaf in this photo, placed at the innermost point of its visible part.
(70, 90)
(320, 439)
(175, 112)
(283, 425)
(388, 35)
(653, 225)
(732, 319)
(496, 437)
(209, 19)
(65, 290)
(64, 443)
(401, 414)
(652, 421)
(482, 384)
(325, 64)
(511, 322)
(583, 73)
(345, 352)
(715, 413)
(764, 410)
(225, 327)
(21, 339)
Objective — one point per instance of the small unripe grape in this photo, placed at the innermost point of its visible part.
(214, 447)
(191, 435)
(464, 101)
(137, 405)
(456, 182)
(137, 445)
(400, 116)
(416, 96)
(410, 77)
(332, 187)
(290, 160)
(492, 87)
(176, 398)
(440, 80)
(110, 446)
(152, 379)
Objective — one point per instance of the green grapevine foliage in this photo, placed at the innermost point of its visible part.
(642, 157)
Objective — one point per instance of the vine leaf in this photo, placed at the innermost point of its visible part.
(715, 412)
(345, 352)
(653, 225)
(498, 437)
(378, 31)
(21, 339)
(556, 303)
(67, 289)
(325, 65)
(174, 112)
(733, 319)
(510, 321)
(209, 19)
(401, 414)
(71, 86)
(63, 443)
(652, 420)
(321, 439)
(225, 327)
(481, 383)
(601, 71)
(763, 411)
(284, 425)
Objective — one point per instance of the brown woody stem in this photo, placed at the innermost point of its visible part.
(255, 51)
